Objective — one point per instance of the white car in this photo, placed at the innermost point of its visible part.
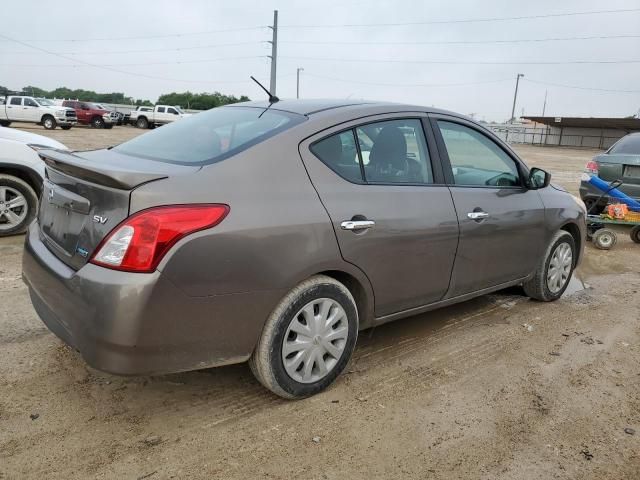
(20, 108)
(21, 175)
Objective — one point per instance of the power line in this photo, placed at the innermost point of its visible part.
(458, 62)
(467, 20)
(482, 82)
(103, 67)
(401, 85)
(138, 64)
(465, 42)
(144, 37)
(149, 50)
(610, 90)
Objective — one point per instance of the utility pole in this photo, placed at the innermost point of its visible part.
(544, 105)
(515, 96)
(298, 70)
(274, 53)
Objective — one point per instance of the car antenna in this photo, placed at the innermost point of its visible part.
(272, 98)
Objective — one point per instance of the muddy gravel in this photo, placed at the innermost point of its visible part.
(499, 387)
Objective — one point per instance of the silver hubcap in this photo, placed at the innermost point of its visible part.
(48, 123)
(315, 340)
(13, 208)
(559, 267)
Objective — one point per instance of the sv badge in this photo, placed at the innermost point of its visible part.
(99, 219)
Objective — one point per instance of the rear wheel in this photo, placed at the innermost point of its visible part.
(307, 340)
(604, 239)
(66, 127)
(5, 123)
(108, 126)
(142, 123)
(18, 205)
(554, 269)
(49, 122)
(635, 234)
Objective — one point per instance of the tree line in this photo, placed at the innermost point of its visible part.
(189, 100)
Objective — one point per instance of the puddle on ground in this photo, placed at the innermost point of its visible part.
(576, 284)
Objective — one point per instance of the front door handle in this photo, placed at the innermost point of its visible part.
(357, 224)
(477, 215)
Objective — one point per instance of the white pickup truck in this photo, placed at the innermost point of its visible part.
(20, 108)
(147, 117)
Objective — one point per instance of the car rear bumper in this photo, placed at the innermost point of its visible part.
(135, 324)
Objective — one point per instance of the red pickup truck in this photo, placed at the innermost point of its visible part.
(90, 114)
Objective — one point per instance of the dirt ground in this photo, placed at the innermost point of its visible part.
(499, 387)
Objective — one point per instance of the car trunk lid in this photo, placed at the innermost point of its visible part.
(623, 167)
(86, 194)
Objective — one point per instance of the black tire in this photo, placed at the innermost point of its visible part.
(142, 122)
(49, 123)
(604, 239)
(108, 126)
(635, 234)
(97, 122)
(31, 198)
(5, 123)
(66, 127)
(267, 363)
(537, 286)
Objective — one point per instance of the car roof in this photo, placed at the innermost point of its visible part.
(310, 107)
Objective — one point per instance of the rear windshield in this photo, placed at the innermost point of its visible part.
(629, 144)
(210, 136)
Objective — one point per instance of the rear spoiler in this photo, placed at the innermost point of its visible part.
(111, 175)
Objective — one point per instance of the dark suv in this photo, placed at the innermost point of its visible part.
(90, 114)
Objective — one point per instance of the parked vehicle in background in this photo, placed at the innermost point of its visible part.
(122, 118)
(620, 162)
(21, 108)
(159, 115)
(133, 115)
(90, 114)
(274, 239)
(21, 175)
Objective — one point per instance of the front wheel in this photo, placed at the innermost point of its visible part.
(554, 269)
(307, 340)
(97, 122)
(49, 122)
(635, 234)
(5, 123)
(18, 205)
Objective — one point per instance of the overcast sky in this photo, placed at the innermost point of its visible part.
(384, 62)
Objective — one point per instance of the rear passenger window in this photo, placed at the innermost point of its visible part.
(160, 109)
(395, 152)
(16, 101)
(339, 153)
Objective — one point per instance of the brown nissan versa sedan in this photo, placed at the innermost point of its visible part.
(275, 233)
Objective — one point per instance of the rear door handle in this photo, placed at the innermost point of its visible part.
(357, 224)
(477, 215)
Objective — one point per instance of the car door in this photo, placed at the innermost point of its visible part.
(15, 109)
(31, 110)
(392, 214)
(160, 116)
(502, 228)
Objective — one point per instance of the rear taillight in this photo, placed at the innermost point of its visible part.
(591, 167)
(139, 242)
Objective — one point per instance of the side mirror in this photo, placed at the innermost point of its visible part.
(538, 178)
